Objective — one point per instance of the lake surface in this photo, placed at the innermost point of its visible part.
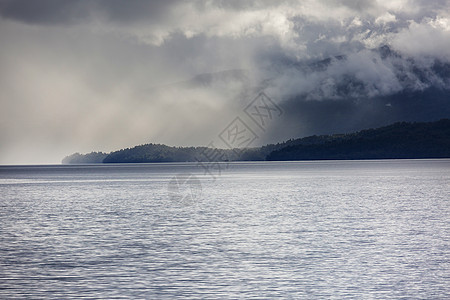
(304, 230)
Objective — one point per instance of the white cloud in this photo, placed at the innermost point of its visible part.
(385, 18)
(430, 38)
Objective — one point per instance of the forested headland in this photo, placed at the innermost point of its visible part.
(396, 141)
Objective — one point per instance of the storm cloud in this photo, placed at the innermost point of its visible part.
(79, 76)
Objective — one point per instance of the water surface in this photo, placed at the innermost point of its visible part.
(312, 230)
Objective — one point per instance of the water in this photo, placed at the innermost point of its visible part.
(311, 230)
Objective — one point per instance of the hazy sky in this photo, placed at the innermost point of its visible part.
(85, 75)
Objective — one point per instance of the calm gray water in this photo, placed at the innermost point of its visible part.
(304, 230)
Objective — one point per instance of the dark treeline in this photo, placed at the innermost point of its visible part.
(400, 140)
(153, 153)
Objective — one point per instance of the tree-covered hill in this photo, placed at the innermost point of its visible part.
(399, 140)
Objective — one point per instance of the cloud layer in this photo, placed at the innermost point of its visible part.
(99, 75)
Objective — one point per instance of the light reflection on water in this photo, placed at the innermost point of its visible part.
(362, 229)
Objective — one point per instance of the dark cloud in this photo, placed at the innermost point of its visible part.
(69, 12)
(133, 11)
(45, 12)
(358, 5)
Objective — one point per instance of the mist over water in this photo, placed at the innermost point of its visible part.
(325, 229)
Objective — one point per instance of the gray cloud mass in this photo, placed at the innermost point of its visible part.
(98, 75)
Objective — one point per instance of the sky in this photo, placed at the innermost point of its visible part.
(101, 75)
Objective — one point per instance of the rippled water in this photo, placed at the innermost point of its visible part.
(329, 229)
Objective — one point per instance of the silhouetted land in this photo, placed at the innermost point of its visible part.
(399, 140)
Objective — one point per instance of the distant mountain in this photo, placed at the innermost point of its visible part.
(369, 89)
(400, 140)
